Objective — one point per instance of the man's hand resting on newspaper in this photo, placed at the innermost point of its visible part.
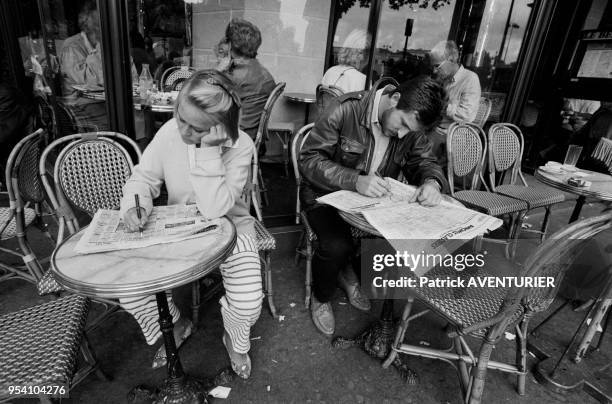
(372, 185)
(427, 194)
(131, 220)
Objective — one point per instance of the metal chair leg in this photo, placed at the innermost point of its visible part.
(195, 304)
(308, 281)
(544, 228)
(268, 283)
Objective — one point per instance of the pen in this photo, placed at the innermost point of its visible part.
(379, 175)
(137, 199)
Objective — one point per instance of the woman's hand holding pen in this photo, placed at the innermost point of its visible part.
(131, 220)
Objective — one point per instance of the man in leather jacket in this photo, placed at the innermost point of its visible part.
(361, 138)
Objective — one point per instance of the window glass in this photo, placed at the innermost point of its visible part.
(494, 39)
(402, 56)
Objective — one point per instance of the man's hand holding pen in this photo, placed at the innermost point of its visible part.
(373, 185)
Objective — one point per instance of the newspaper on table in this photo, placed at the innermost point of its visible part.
(165, 224)
(411, 226)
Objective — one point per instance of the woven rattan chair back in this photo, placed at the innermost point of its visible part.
(385, 81)
(23, 186)
(89, 173)
(24, 172)
(45, 116)
(66, 121)
(483, 112)
(555, 256)
(603, 153)
(262, 129)
(325, 94)
(505, 152)
(466, 148)
(296, 145)
(172, 79)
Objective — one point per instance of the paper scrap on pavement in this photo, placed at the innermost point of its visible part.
(220, 392)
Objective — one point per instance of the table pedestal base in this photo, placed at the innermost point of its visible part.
(377, 341)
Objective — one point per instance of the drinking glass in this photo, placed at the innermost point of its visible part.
(572, 155)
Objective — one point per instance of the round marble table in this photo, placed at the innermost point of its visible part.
(600, 188)
(305, 98)
(144, 271)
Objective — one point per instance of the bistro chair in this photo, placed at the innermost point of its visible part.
(259, 189)
(308, 237)
(466, 148)
(266, 243)
(172, 79)
(487, 313)
(26, 199)
(89, 174)
(325, 94)
(505, 155)
(484, 109)
(39, 346)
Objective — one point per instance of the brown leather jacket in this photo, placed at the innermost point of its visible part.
(340, 147)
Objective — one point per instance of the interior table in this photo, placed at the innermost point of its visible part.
(145, 271)
(305, 98)
(600, 188)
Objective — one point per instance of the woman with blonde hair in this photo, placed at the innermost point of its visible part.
(203, 158)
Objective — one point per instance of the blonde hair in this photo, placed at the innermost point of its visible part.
(213, 92)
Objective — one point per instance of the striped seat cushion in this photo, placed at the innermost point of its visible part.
(11, 231)
(490, 203)
(535, 197)
(40, 344)
(265, 241)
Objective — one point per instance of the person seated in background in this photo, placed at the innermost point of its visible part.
(81, 63)
(347, 75)
(361, 138)
(15, 121)
(576, 112)
(254, 83)
(598, 126)
(203, 158)
(462, 87)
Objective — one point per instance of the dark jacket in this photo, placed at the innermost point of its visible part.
(340, 147)
(254, 83)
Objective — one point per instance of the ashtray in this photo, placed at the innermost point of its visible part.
(578, 182)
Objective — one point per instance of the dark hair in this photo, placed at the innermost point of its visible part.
(88, 10)
(244, 37)
(214, 93)
(424, 95)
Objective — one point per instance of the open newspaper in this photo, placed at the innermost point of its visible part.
(395, 218)
(165, 224)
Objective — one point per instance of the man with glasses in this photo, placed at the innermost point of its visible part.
(462, 87)
(361, 138)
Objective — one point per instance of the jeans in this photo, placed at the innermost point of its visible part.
(335, 250)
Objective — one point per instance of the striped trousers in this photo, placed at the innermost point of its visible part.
(240, 306)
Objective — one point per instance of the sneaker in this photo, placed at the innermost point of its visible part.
(353, 291)
(322, 316)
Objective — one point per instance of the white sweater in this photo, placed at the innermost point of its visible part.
(211, 177)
